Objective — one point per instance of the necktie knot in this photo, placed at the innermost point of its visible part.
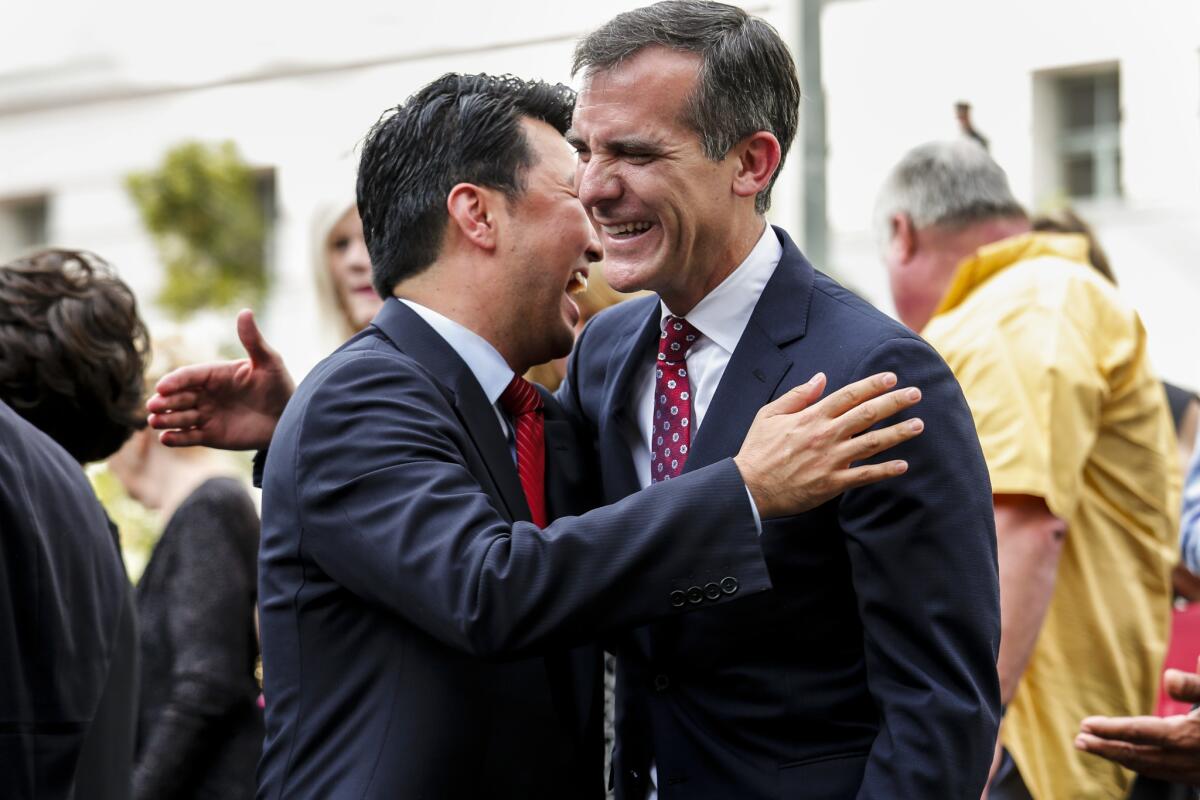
(678, 336)
(520, 397)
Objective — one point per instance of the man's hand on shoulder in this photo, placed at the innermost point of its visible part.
(232, 405)
(798, 452)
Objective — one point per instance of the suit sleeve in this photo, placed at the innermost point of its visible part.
(922, 549)
(389, 509)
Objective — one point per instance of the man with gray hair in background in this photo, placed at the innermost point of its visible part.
(1079, 445)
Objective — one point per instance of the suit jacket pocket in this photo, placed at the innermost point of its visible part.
(833, 777)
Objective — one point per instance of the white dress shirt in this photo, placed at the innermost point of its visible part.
(721, 316)
(485, 362)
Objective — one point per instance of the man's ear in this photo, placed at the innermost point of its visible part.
(758, 156)
(902, 241)
(471, 211)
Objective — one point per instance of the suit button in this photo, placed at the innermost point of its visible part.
(661, 683)
(633, 773)
(695, 594)
(729, 585)
(712, 591)
(678, 598)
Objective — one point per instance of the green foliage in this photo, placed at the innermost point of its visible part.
(203, 209)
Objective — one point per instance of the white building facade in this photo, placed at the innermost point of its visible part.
(1095, 104)
(90, 94)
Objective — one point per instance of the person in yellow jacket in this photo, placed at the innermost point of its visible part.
(1079, 445)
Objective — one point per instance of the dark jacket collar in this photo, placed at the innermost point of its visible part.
(413, 336)
(755, 369)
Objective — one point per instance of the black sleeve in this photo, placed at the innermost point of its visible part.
(209, 599)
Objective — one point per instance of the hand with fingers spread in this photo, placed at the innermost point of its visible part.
(798, 453)
(1167, 748)
(232, 405)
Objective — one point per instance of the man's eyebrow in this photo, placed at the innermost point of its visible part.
(634, 146)
(627, 146)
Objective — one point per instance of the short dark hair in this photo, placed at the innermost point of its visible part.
(72, 350)
(747, 80)
(458, 129)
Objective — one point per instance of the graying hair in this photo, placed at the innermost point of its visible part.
(747, 80)
(953, 183)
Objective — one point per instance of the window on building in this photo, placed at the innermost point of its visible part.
(23, 225)
(1089, 133)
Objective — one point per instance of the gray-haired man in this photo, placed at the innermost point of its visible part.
(1079, 445)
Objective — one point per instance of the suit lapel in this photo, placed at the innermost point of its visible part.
(412, 335)
(560, 452)
(479, 418)
(759, 362)
(631, 354)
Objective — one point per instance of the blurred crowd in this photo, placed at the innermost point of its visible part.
(109, 690)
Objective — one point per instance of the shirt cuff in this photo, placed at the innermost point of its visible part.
(754, 509)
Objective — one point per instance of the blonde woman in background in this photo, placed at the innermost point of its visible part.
(342, 268)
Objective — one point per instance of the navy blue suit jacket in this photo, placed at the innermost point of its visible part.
(869, 670)
(398, 568)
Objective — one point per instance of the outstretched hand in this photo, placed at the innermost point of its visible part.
(798, 453)
(1167, 748)
(232, 405)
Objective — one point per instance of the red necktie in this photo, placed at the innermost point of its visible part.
(524, 405)
(673, 422)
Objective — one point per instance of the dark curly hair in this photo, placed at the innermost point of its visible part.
(458, 129)
(72, 350)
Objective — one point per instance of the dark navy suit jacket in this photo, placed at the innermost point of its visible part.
(870, 669)
(397, 570)
(68, 633)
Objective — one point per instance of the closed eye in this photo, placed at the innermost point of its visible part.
(581, 149)
(635, 152)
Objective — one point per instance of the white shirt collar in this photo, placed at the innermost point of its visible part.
(722, 314)
(485, 362)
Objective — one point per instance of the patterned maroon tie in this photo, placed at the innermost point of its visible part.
(673, 422)
(523, 404)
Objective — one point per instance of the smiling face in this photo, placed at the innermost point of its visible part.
(350, 267)
(547, 248)
(663, 208)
